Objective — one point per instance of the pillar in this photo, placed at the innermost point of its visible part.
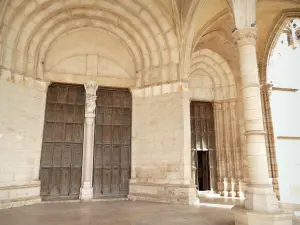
(261, 204)
(219, 130)
(236, 164)
(86, 190)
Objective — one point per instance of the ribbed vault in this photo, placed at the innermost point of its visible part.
(211, 77)
(31, 27)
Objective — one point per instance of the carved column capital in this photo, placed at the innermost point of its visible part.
(218, 105)
(246, 36)
(91, 89)
(233, 104)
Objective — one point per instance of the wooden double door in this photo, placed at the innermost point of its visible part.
(61, 159)
(62, 150)
(112, 148)
(202, 143)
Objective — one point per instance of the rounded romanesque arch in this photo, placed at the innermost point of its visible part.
(211, 78)
(145, 31)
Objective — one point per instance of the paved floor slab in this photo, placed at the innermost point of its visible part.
(115, 212)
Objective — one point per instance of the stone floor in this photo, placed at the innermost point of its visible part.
(115, 212)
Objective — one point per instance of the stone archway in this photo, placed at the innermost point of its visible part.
(211, 80)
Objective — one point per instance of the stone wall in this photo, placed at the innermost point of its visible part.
(21, 129)
(161, 155)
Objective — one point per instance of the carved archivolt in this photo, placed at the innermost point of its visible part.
(30, 27)
(206, 63)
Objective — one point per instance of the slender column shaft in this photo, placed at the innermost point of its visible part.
(86, 191)
(228, 149)
(236, 154)
(260, 195)
(217, 107)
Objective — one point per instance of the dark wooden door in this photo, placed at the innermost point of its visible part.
(202, 141)
(61, 160)
(112, 150)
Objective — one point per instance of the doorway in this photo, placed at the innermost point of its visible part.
(202, 143)
(61, 158)
(112, 149)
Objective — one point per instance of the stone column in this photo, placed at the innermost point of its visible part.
(86, 190)
(228, 151)
(235, 151)
(260, 196)
(219, 130)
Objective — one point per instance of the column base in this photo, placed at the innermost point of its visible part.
(86, 192)
(261, 198)
(243, 216)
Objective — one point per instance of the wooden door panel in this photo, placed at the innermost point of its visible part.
(117, 116)
(75, 181)
(57, 151)
(61, 159)
(50, 114)
(72, 95)
(45, 176)
(125, 157)
(202, 141)
(46, 158)
(58, 135)
(79, 114)
(112, 143)
(65, 181)
(98, 134)
(117, 135)
(126, 135)
(66, 157)
(77, 133)
(69, 110)
(106, 181)
(60, 113)
(115, 157)
(62, 94)
(77, 155)
(107, 134)
(124, 181)
(115, 180)
(106, 156)
(97, 181)
(48, 132)
(55, 182)
(98, 156)
(68, 132)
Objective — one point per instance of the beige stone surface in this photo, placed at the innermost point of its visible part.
(115, 212)
(21, 131)
(161, 156)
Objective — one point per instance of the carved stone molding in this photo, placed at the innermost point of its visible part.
(91, 89)
(158, 90)
(246, 36)
(28, 82)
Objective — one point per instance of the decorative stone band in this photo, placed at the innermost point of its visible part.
(255, 132)
(284, 89)
(245, 36)
(292, 138)
(161, 89)
(28, 82)
(19, 186)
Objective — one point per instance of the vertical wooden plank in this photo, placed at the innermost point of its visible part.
(113, 130)
(61, 159)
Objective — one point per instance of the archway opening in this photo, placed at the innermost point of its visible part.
(283, 81)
